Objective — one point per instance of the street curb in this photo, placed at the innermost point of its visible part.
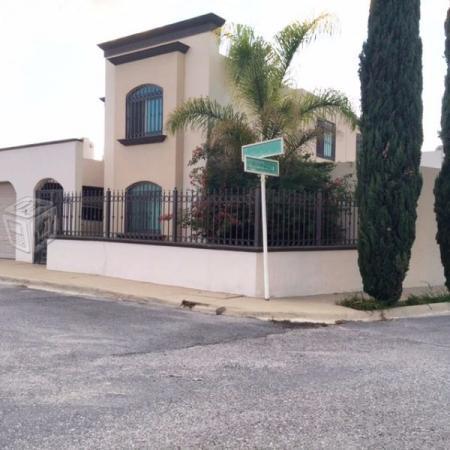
(90, 292)
(402, 312)
(418, 310)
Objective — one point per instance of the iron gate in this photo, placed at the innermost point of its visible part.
(47, 215)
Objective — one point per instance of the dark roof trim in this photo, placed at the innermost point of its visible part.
(38, 144)
(178, 30)
(149, 53)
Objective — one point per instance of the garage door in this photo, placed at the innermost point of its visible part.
(7, 198)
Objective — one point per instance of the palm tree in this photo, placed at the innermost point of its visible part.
(266, 106)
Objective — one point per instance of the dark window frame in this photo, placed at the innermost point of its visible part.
(324, 126)
(142, 124)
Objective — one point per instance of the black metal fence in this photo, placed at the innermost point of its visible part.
(225, 219)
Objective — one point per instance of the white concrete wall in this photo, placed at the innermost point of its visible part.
(291, 273)
(312, 273)
(212, 270)
(433, 159)
(425, 265)
(26, 167)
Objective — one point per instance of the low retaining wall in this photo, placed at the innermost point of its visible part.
(298, 273)
(295, 273)
(212, 270)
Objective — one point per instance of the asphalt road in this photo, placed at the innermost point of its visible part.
(101, 374)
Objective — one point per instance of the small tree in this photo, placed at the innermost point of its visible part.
(265, 106)
(389, 180)
(442, 187)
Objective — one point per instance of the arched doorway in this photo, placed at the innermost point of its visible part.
(143, 210)
(47, 216)
(8, 221)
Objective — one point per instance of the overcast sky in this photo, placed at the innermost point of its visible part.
(53, 73)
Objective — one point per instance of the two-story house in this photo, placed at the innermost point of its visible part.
(147, 75)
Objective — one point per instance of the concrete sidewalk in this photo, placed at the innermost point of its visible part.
(321, 308)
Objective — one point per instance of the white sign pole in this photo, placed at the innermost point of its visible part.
(264, 233)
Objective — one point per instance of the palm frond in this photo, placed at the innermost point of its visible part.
(272, 121)
(295, 142)
(251, 68)
(326, 103)
(231, 136)
(202, 113)
(298, 34)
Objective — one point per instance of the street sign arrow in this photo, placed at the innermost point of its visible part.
(262, 166)
(263, 149)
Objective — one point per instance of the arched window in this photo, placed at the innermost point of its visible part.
(143, 209)
(144, 112)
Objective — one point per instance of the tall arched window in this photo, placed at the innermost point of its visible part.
(144, 112)
(143, 209)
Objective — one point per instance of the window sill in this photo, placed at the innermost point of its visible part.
(326, 158)
(143, 140)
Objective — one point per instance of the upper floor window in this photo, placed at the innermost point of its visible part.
(144, 112)
(326, 140)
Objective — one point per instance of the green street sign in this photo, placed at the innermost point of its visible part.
(262, 166)
(253, 156)
(263, 149)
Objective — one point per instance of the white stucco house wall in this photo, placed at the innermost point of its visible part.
(24, 170)
(433, 159)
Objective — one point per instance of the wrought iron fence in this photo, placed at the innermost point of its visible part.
(225, 219)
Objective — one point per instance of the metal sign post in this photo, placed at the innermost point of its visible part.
(264, 236)
(253, 156)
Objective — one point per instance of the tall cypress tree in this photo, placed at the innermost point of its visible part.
(442, 187)
(389, 180)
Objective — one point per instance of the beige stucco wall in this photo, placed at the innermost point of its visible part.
(345, 142)
(182, 76)
(343, 169)
(92, 172)
(425, 265)
(204, 76)
(151, 162)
